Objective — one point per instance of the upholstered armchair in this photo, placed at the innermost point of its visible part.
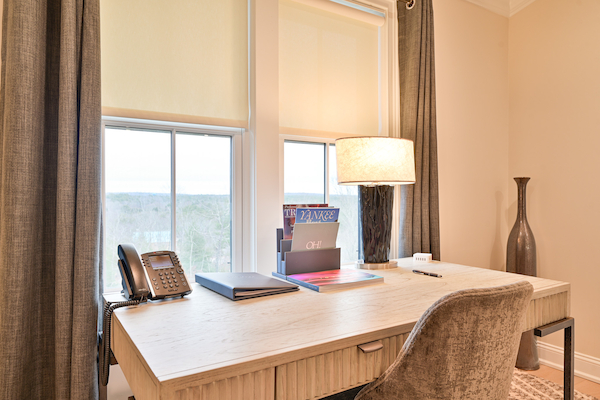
(463, 347)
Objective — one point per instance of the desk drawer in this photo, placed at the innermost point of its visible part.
(252, 386)
(548, 309)
(333, 372)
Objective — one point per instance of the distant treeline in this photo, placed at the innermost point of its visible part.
(203, 226)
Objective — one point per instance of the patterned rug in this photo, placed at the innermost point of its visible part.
(528, 387)
(523, 387)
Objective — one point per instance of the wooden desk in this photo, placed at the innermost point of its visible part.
(300, 345)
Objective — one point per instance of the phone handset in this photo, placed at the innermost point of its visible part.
(135, 285)
(135, 289)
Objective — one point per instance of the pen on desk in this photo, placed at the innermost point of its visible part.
(416, 271)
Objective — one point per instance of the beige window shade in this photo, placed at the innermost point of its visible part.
(328, 72)
(348, 9)
(183, 60)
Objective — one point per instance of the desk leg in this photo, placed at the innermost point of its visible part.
(568, 324)
(569, 354)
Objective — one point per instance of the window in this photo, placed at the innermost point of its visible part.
(310, 177)
(170, 187)
(337, 78)
(175, 185)
(304, 173)
(189, 63)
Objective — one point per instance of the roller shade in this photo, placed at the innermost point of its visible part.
(328, 72)
(348, 9)
(179, 60)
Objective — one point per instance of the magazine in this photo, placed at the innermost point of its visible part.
(312, 236)
(317, 214)
(324, 281)
(289, 217)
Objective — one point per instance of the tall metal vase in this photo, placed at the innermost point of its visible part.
(521, 259)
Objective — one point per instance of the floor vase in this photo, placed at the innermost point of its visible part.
(521, 259)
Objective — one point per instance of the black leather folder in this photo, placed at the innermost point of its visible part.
(243, 285)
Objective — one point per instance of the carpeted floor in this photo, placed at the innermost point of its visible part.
(529, 387)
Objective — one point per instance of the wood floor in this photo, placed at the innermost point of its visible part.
(581, 385)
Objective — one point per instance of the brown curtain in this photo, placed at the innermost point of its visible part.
(50, 137)
(419, 209)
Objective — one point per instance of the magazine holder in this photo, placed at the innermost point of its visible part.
(298, 262)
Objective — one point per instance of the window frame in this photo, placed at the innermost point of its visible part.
(237, 187)
(303, 139)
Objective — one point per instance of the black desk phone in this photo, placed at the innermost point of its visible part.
(154, 275)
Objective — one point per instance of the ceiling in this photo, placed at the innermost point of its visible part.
(507, 8)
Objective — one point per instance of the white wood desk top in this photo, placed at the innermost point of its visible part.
(211, 337)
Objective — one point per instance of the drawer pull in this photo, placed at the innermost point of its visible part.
(371, 346)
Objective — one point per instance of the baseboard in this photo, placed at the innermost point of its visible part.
(586, 367)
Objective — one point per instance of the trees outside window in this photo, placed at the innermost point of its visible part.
(168, 190)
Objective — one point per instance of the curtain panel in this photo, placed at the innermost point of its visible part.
(50, 138)
(419, 207)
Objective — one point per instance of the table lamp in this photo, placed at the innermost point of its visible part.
(375, 164)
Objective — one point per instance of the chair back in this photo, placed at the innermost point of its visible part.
(463, 347)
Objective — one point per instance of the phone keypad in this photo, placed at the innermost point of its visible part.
(168, 280)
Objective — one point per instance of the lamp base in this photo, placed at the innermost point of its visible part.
(385, 265)
(375, 223)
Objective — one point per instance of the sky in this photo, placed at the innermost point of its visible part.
(140, 161)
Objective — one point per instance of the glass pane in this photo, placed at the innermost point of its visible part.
(203, 168)
(137, 174)
(346, 198)
(304, 173)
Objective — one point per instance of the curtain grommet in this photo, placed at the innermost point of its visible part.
(410, 4)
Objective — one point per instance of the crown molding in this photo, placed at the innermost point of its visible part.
(518, 5)
(497, 6)
(506, 8)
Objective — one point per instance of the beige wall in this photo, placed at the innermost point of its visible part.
(549, 57)
(471, 52)
(555, 138)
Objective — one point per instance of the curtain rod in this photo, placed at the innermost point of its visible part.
(409, 3)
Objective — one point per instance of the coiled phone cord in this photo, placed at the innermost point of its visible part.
(104, 353)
